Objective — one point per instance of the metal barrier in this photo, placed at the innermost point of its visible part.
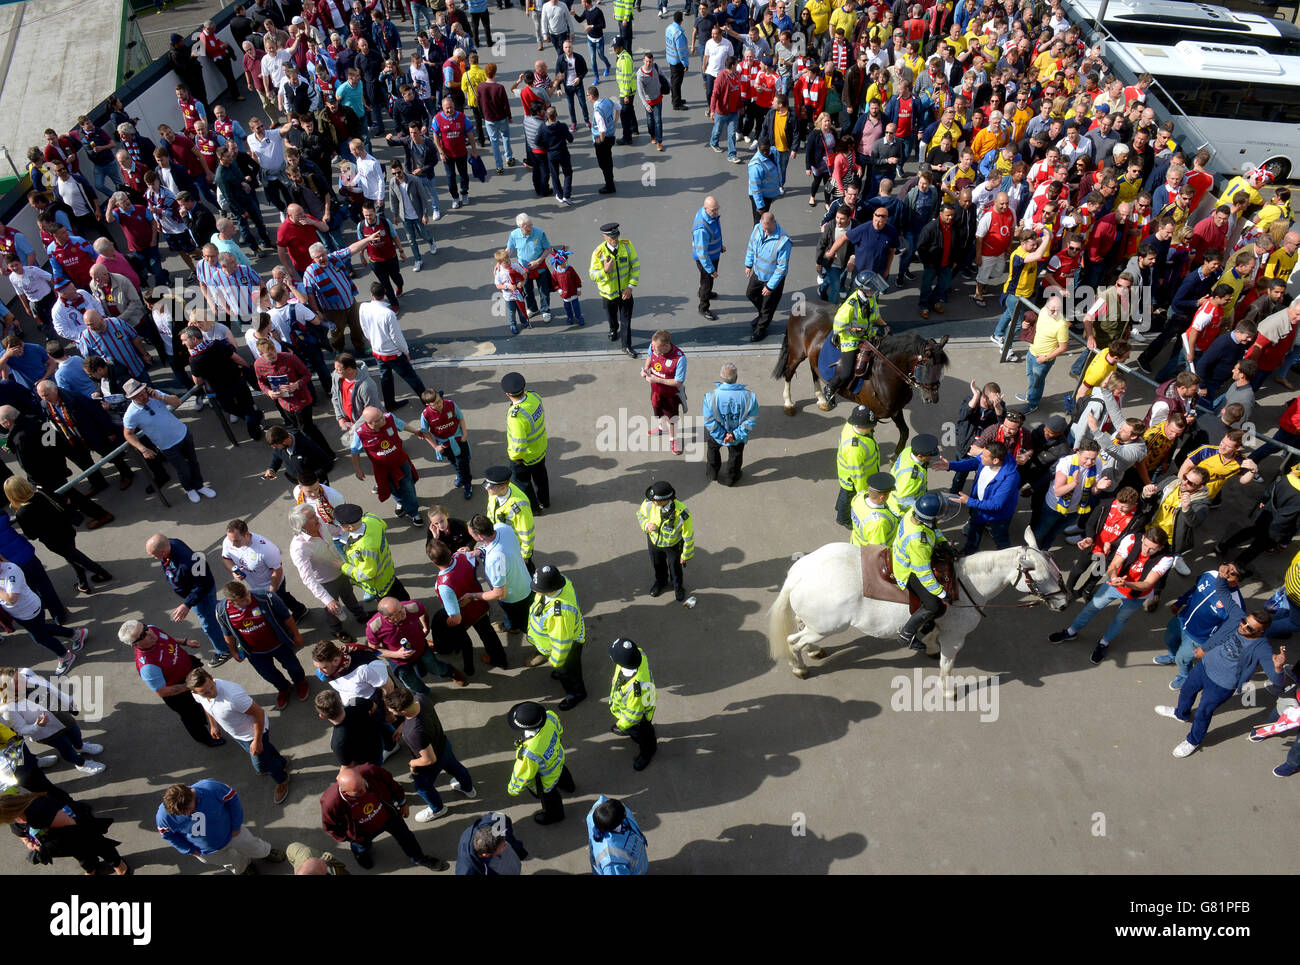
(105, 460)
(1024, 305)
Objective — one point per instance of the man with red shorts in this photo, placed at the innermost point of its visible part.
(665, 370)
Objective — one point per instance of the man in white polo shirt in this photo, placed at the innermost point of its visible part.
(266, 145)
(257, 561)
(388, 344)
(229, 708)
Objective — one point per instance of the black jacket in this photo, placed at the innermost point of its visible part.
(1281, 509)
(46, 466)
(305, 454)
(554, 139)
(562, 69)
(91, 421)
(929, 246)
(45, 520)
(202, 224)
(824, 242)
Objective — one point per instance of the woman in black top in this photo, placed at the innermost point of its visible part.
(52, 830)
(452, 532)
(41, 518)
(555, 137)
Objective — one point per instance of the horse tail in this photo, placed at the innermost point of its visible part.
(781, 622)
(783, 359)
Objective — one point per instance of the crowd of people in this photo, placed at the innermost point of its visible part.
(985, 141)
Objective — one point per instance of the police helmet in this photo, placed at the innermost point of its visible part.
(869, 283)
(862, 417)
(548, 579)
(625, 653)
(528, 715)
(661, 492)
(928, 508)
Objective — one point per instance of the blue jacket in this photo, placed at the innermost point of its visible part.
(1230, 659)
(921, 110)
(706, 240)
(999, 502)
(730, 408)
(764, 179)
(468, 863)
(618, 852)
(1207, 606)
(180, 572)
(222, 815)
(276, 615)
(769, 257)
(13, 545)
(678, 49)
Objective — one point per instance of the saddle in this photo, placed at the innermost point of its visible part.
(878, 576)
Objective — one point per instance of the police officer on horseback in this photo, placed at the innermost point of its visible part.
(857, 320)
(914, 549)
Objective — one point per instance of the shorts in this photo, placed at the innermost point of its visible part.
(665, 402)
(181, 243)
(992, 272)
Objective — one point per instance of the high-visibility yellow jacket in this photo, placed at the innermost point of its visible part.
(632, 699)
(856, 319)
(668, 528)
(526, 430)
(625, 273)
(913, 548)
(515, 511)
(857, 460)
(367, 560)
(539, 757)
(555, 625)
(911, 479)
(872, 525)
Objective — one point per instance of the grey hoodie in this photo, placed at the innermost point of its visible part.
(364, 393)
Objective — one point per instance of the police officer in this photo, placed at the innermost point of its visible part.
(874, 523)
(857, 459)
(632, 699)
(616, 843)
(526, 440)
(670, 536)
(857, 319)
(616, 270)
(914, 547)
(539, 759)
(368, 561)
(557, 630)
(911, 472)
(508, 504)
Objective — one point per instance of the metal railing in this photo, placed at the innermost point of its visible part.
(1024, 305)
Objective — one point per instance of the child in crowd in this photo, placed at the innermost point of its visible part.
(567, 283)
(509, 279)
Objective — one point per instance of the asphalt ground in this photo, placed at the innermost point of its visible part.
(758, 772)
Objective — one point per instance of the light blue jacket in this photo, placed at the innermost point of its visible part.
(730, 408)
(678, 50)
(706, 240)
(618, 852)
(764, 179)
(768, 256)
(221, 816)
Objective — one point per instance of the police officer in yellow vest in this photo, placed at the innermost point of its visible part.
(557, 630)
(911, 472)
(857, 459)
(368, 562)
(539, 760)
(914, 546)
(857, 320)
(526, 440)
(670, 536)
(508, 504)
(874, 523)
(616, 269)
(632, 699)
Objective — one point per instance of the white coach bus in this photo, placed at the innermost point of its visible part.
(1229, 80)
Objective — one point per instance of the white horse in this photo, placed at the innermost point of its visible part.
(822, 595)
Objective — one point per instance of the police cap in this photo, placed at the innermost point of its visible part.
(925, 445)
(512, 383)
(348, 514)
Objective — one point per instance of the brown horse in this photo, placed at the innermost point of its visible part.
(909, 361)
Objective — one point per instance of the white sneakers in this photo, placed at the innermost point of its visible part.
(428, 814)
(437, 215)
(1184, 749)
(46, 761)
(192, 495)
(92, 767)
(94, 750)
(471, 793)
(1180, 567)
(1164, 710)
(208, 491)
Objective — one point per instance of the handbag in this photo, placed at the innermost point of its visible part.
(664, 88)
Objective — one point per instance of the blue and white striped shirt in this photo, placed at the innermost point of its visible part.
(115, 342)
(330, 284)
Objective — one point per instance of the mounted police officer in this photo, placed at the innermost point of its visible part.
(557, 630)
(874, 523)
(539, 759)
(858, 319)
(632, 699)
(913, 552)
(670, 536)
(858, 458)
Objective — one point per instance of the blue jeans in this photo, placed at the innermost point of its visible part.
(404, 493)
(655, 122)
(1283, 625)
(597, 49)
(425, 777)
(1104, 596)
(267, 762)
(935, 284)
(730, 121)
(416, 229)
(68, 743)
(432, 185)
(1212, 697)
(906, 251)
(1036, 373)
(999, 529)
(107, 177)
(149, 260)
(832, 288)
(284, 655)
(1180, 647)
(1051, 524)
(1004, 323)
(411, 675)
(783, 161)
(420, 11)
(206, 611)
(498, 133)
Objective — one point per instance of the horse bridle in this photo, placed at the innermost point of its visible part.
(905, 376)
(1024, 568)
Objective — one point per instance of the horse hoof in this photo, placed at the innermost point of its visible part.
(800, 672)
(822, 405)
(788, 409)
(818, 654)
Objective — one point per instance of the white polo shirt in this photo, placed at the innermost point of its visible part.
(229, 708)
(258, 559)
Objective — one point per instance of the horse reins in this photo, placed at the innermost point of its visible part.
(906, 377)
(1021, 570)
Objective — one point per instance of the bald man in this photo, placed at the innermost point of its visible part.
(363, 803)
(707, 249)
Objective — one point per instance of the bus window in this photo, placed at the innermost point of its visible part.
(1272, 103)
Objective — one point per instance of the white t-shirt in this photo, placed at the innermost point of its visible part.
(229, 708)
(251, 338)
(273, 66)
(34, 283)
(12, 580)
(716, 54)
(362, 682)
(257, 560)
(983, 479)
(70, 192)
